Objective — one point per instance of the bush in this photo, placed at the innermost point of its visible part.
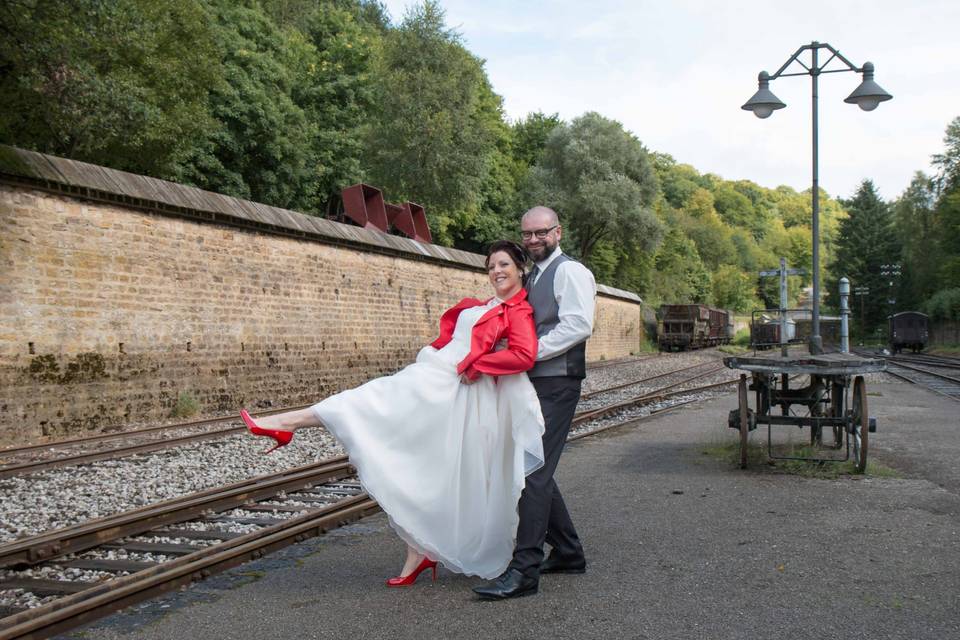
(186, 406)
(742, 338)
(944, 305)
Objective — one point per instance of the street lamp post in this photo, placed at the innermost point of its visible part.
(763, 103)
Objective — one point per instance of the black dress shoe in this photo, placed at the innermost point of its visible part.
(510, 584)
(556, 564)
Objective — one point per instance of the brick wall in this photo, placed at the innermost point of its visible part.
(109, 313)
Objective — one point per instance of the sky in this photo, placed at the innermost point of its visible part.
(676, 72)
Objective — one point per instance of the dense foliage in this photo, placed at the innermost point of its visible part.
(906, 254)
(288, 101)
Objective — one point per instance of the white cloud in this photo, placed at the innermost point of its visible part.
(675, 73)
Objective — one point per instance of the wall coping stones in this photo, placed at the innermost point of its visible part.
(93, 182)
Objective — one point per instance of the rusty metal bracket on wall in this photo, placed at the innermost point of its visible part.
(365, 206)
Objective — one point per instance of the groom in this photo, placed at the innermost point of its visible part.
(561, 291)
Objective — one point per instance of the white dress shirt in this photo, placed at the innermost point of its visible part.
(575, 290)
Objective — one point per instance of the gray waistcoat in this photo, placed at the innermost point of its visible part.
(546, 315)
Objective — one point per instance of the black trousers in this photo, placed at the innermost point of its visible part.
(543, 514)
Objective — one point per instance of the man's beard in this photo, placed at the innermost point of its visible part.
(541, 252)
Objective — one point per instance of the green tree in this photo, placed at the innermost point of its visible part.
(122, 84)
(948, 226)
(530, 136)
(734, 208)
(948, 162)
(598, 177)
(944, 305)
(763, 208)
(437, 122)
(793, 208)
(733, 289)
(866, 243)
(677, 181)
(915, 224)
(681, 276)
(334, 85)
(703, 225)
(259, 147)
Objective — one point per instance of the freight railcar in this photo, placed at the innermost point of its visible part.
(693, 326)
(765, 331)
(908, 330)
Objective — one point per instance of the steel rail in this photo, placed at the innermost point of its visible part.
(914, 379)
(86, 535)
(654, 413)
(932, 361)
(90, 604)
(603, 364)
(653, 396)
(927, 372)
(15, 451)
(586, 396)
(36, 466)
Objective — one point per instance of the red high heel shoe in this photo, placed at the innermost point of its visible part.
(283, 438)
(407, 580)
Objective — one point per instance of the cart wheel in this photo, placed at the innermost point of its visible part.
(744, 418)
(859, 427)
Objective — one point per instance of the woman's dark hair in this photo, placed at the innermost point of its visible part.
(517, 253)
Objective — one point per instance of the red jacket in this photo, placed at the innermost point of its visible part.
(512, 320)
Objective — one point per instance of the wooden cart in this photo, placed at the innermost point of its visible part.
(829, 403)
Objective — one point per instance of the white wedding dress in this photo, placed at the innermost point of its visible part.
(446, 461)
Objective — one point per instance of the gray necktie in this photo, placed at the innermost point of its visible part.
(532, 277)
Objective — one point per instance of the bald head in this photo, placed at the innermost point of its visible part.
(540, 217)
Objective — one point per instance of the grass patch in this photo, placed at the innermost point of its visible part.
(944, 350)
(742, 338)
(732, 349)
(253, 574)
(647, 346)
(186, 406)
(757, 459)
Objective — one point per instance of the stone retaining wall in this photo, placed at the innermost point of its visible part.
(111, 313)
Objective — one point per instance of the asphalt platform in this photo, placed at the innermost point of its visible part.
(680, 544)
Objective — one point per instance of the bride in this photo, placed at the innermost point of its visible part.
(445, 444)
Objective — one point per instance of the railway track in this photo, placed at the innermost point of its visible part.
(137, 555)
(592, 394)
(604, 364)
(588, 407)
(938, 382)
(18, 461)
(945, 362)
(63, 453)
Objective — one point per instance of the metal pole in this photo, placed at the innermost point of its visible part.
(863, 322)
(816, 344)
(844, 313)
(783, 307)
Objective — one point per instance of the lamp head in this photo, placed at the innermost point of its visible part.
(869, 94)
(763, 102)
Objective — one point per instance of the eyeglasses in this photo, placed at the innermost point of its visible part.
(540, 233)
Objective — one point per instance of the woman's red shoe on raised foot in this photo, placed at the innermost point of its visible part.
(282, 437)
(407, 580)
